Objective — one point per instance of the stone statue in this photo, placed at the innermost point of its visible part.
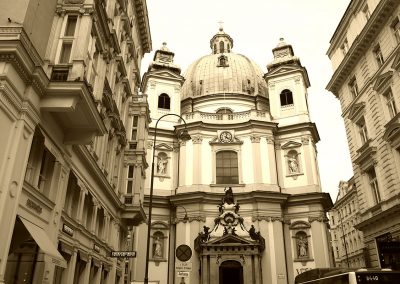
(293, 165)
(228, 198)
(161, 165)
(302, 246)
(205, 236)
(157, 247)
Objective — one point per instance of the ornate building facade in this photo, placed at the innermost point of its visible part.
(347, 241)
(365, 55)
(243, 196)
(69, 77)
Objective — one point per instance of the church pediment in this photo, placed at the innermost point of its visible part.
(383, 81)
(166, 74)
(164, 147)
(356, 111)
(284, 69)
(290, 145)
(230, 239)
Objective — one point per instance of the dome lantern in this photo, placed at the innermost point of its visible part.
(221, 42)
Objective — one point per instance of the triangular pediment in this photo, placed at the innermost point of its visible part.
(165, 73)
(288, 68)
(164, 147)
(356, 111)
(383, 81)
(290, 145)
(230, 239)
(284, 69)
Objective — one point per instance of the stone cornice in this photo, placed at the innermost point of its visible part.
(361, 44)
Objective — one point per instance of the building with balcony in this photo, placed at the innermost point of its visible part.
(347, 241)
(240, 202)
(365, 55)
(69, 81)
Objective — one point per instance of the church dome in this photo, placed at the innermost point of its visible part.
(223, 72)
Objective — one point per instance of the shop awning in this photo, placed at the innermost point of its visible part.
(51, 253)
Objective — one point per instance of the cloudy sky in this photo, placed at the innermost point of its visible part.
(256, 26)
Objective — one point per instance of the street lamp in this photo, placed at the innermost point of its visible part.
(344, 238)
(184, 136)
(185, 218)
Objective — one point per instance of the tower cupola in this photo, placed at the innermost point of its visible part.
(221, 42)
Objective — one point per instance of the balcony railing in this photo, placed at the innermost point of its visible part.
(228, 117)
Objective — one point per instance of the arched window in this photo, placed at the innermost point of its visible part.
(164, 101)
(286, 97)
(227, 170)
(301, 245)
(215, 48)
(224, 110)
(221, 46)
(229, 47)
(158, 245)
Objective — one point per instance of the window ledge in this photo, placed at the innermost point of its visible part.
(227, 185)
(306, 259)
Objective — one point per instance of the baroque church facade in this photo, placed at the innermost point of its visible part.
(243, 196)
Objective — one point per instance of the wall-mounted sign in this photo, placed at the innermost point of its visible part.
(128, 254)
(96, 248)
(68, 230)
(183, 273)
(183, 266)
(32, 205)
(183, 252)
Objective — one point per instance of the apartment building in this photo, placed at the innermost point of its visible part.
(347, 241)
(69, 77)
(365, 55)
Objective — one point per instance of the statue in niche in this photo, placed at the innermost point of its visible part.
(302, 246)
(157, 247)
(293, 164)
(161, 166)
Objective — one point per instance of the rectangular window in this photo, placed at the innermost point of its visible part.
(135, 120)
(71, 25)
(353, 87)
(227, 170)
(129, 183)
(65, 52)
(396, 29)
(373, 182)
(362, 130)
(378, 55)
(390, 103)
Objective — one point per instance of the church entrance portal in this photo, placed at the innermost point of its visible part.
(230, 272)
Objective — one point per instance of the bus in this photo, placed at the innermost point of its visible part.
(348, 276)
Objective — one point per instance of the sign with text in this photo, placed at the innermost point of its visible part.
(182, 273)
(127, 254)
(183, 266)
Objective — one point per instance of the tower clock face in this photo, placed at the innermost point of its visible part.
(225, 137)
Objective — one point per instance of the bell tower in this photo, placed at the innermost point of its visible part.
(287, 83)
(162, 83)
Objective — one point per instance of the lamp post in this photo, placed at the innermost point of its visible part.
(184, 136)
(344, 239)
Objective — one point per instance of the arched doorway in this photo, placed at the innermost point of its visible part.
(230, 272)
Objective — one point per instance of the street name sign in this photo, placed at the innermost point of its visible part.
(127, 254)
(183, 273)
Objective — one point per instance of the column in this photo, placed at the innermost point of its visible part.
(68, 276)
(84, 279)
(97, 276)
(106, 226)
(182, 165)
(81, 203)
(17, 141)
(94, 219)
(255, 146)
(197, 159)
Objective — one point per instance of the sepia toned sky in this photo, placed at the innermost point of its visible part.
(256, 27)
